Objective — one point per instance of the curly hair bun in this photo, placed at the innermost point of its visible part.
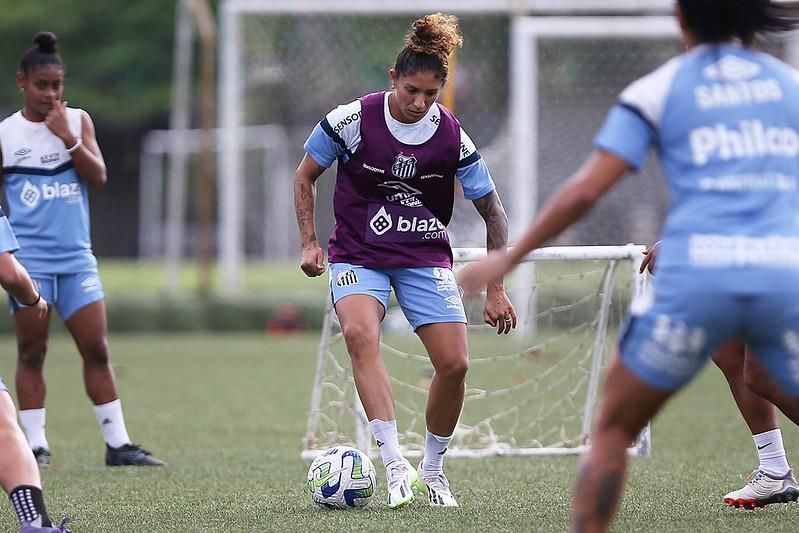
(437, 35)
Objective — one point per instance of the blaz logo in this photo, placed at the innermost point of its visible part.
(381, 222)
(30, 195)
(404, 166)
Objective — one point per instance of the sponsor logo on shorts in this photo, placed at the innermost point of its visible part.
(445, 280)
(347, 278)
(674, 348)
(90, 284)
(454, 302)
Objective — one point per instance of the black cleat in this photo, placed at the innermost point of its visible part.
(42, 456)
(130, 455)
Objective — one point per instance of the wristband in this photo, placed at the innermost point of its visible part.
(77, 145)
(38, 298)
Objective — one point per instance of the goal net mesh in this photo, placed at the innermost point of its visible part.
(526, 393)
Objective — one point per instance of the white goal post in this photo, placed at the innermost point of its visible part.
(524, 396)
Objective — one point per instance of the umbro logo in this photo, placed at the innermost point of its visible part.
(23, 151)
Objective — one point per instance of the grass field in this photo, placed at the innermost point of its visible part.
(228, 413)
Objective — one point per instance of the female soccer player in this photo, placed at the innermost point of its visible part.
(399, 153)
(756, 396)
(725, 122)
(49, 157)
(19, 475)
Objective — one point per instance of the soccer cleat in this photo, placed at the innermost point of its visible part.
(438, 492)
(42, 456)
(27, 527)
(401, 479)
(762, 489)
(130, 455)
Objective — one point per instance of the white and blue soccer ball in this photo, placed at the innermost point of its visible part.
(342, 478)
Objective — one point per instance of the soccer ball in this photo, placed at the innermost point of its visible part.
(342, 478)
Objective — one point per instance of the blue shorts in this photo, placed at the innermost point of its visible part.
(668, 340)
(427, 295)
(67, 292)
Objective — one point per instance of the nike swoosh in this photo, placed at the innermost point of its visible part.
(761, 447)
(324, 479)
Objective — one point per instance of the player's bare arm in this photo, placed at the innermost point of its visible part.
(498, 310)
(85, 151)
(308, 172)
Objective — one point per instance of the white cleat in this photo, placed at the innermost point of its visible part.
(762, 489)
(401, 479)
(438, 492)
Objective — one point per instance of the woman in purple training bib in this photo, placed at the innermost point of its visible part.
(399, 153)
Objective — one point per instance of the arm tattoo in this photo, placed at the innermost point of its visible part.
(490, 208)
(304, 209)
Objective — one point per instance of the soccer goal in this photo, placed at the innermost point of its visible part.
(531, 394)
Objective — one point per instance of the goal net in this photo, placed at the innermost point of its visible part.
(526, 394)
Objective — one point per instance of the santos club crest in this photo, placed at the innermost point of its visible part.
(404, 166)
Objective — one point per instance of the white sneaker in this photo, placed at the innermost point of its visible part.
(762, 489)
(438, 492)
(401, 479)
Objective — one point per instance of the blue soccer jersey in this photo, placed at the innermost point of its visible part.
(724, 121)
(48, 202)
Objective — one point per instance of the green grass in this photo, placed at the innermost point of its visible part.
(146, 278)
(229, 412)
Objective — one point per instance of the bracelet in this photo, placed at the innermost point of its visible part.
(77, 145)
(38, 298)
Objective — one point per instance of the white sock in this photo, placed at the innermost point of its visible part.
(32, 421)
(771, 452)
(112, 423)
(385, 434)
(435, 447)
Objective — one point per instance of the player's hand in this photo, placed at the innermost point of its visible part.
(474, 276)
(650, 255)
(313, 260)
(56, 121)
(498, 311)
(41, 307)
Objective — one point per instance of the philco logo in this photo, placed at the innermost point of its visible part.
(404, 166)
(381, 222)
(31, 194)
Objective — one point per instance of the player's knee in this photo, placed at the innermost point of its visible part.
(759, 382)
(453, 369)
(96, 352)
(361, 339)
(730, 361)
(31, 353)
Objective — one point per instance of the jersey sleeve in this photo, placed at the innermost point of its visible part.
(631, 127)
(626, 134)
(472, 171)
(8, 241)
(337, 135)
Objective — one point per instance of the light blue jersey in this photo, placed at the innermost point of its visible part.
(48, 202)
(724, 120)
